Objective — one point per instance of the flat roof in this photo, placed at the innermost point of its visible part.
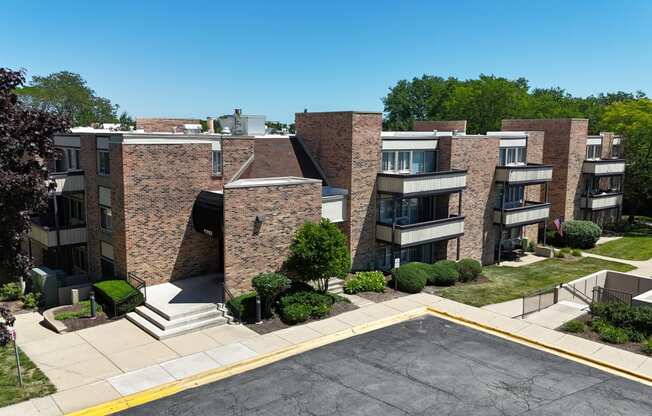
(260, 182)
(414, 134)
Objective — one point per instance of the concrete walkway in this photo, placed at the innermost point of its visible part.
(110, 361)
(557, 314)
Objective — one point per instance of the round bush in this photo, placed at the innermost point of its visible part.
(469, 269)
(317, 304)
(411, 277)
(581, 234)
(574, 326)
(295, 313)
(365, 282)
(269, 286)
(613, 335)
(443, 273)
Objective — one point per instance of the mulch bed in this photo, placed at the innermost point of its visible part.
(594, 336)
(388, 294)
(82, 323)
(275, 323)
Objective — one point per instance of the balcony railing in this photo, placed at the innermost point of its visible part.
(530, 213)
(531, 173)
(605, 200)
(424, 232)
(48, 235)
(72, 181)
(604, 167)
(416, 183)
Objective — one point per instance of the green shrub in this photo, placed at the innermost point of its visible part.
(443, 273)
(576, 252)
(646, 346)
(553, 238)
(621, 315)
(634, 335)
(598, 323)
(613, 335)
(446, 262)
(295, 313)
(269, 286)
(10, 291)
(316, 303)
(319, 252)
(243, 307)
(469, 269)
(559, 254)
(411, 277)
(530, 247)
(574, 326)
(117, 296)
(581, 234)
(365, 282)
(31, 300)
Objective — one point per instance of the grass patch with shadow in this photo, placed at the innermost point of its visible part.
(630, 247)
(508, 283)
(36, 383)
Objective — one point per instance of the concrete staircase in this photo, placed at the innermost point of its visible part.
(162, 325)
(336, 286)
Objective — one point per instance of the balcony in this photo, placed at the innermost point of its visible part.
(421, 183)
(424, 232)
(530, 213)
(606, 200)
(47, 236)
(606, 167)
(71, 181)
(531, 173)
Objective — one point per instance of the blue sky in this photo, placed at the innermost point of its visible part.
(199, 58)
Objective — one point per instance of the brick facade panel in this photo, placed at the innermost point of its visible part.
(440, 125)
(163, 125)
(235, 153)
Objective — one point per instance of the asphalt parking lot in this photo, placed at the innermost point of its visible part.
(426, 366)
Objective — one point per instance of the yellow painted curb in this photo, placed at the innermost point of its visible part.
(582, 359)
(217, 374)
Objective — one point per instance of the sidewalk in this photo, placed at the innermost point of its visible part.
(111, 361)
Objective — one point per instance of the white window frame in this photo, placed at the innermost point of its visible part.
(392, 159)
(512, 156)
(216, 167)
(593, 151)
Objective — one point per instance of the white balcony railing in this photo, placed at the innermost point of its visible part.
(442, 229)
(530, 173)
(48, 236)
(69, 182)
(398, 183)
(530, 213)
(602, 201)
(604, 167)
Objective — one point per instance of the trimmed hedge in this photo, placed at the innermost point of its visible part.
(117, 297)
(469, 269)
(411, 277)
(269, 286)
(243, 307)
(310, 304)
(574, 326)
(581, 234)
(443, 273)
(638, 319)
(365, 282)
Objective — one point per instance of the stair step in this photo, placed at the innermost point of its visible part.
(160, 334)
(183, 313)
(165, 324)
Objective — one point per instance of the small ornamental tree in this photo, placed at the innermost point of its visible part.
(268, 286)
(6, 320)
(319, 252)
(26, 141)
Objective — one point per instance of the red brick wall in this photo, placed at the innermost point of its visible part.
(534, 192)
(163, 125)
(565, 148)
(88, 161)
(274, 157)
(347, 146)
(441, 125)
(249, 249)
(235, 152)
(161, 183)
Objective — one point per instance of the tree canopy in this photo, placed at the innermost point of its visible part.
(485, 101)
(26, 141)
(67, 94)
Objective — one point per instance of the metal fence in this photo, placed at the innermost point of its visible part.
(539, 300)
(603, 295)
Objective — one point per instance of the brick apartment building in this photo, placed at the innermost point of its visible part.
(173, 205)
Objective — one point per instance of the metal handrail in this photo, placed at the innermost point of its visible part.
(229, 296)
(602, 295)
(140, 283)
(573, 290)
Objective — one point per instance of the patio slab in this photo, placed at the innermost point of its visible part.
(80, 373)
(56, 343)
(116, 336)
(297, 334)
(539, 334)
(403, 304)
(511, 308)
(85, 396)
(67, 357)
(328, 326)
(266, 343)
(189, 365)
(621, 358)
(353, 318)
(227, 334)
(230, 354)
(43, 406)
(142, 356)
(378, 311)
(140, 380)
(578, 345)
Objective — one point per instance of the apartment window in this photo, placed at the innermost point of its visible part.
(103, 162)
(384, 258)
(389, 161)
(512, 156)
(513, 233)
(593, 151)
(217, 162)
(616, 151)
(75, 211)
(403, 163)
(79, 258)
(386, 210)
(424, 161)
(108, 269)
(514, 196)
(422, 253)
(105, 219)
(69, 159)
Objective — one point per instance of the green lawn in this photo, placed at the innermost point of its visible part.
(507, 283)
(630, 247)
(36, 383)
